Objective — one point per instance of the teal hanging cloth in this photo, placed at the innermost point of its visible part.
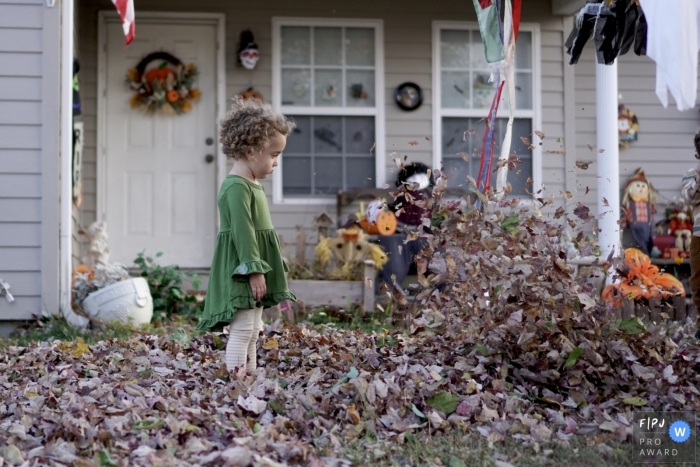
(487, 15)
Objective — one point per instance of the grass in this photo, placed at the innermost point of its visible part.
(57, 328)
(453, 448)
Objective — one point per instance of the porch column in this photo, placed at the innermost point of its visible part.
(608, 160)
(66, 195)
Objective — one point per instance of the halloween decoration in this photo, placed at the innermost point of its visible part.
(682, 229)
(642, 280)
(638, 206)
(163, 84)
(376, 220)
(347, 251)
(251, 93)
(409, 96)
(357, 91)
(418, 179)
(248, 53)
(627, 126)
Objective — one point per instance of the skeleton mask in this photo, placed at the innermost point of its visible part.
(249, 56)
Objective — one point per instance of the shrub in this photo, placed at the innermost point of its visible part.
(166, 284)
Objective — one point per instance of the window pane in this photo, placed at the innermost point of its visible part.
(359, 46)
(523, 90)
(360, 172)
(454, 49)
(455, 90)
(327, 46)
(295, 87)
(299, 141)
(328, 175)
(455, 142)
(523, 51)
(359, 135)
(296, 175)
(328, 135)
(478, 55)
(296, 45)
(360, 88)
(328, 84)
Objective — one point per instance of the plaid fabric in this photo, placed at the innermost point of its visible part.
(640, 209)
(691, 194)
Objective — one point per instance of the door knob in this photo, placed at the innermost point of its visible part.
(209, 158)
(209, 141)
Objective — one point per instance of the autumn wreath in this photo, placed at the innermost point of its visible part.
(166, 87)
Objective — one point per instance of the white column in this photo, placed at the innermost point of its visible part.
(66, 195)
(608, 160)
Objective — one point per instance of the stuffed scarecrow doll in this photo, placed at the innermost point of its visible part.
(638, 205)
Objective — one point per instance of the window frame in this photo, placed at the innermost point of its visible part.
(535, 114)
(378, 111)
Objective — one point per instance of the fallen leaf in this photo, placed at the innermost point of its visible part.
(270, 344)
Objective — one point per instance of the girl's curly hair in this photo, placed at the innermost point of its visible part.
(249, 125)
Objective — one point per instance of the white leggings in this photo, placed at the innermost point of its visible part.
(243, 337)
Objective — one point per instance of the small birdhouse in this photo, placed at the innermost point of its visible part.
(323, 222)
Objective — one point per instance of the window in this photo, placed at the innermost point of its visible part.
(328, 77)
(463, 95)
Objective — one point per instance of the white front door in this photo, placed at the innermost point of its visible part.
(160, 170)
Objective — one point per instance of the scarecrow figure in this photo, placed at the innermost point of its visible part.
(638, 206)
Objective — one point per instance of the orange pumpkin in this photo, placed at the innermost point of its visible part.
(173, 96)
(159, 74)
(385, 225)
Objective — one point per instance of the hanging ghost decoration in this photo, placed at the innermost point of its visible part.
(248, 54)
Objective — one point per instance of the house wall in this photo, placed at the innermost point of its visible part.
(29, 97)
(665, 141)
(407, 32)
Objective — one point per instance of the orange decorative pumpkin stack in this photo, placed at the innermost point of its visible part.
(643, 281)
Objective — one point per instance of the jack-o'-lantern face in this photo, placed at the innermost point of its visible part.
(639, 191)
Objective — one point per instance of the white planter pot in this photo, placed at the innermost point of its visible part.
(125, 301)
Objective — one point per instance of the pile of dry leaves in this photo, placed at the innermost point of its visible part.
(504, 342)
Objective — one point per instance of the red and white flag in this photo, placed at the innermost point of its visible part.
(126, 13)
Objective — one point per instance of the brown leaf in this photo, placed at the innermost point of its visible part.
(582, 212)
(413, 143)
(583, 165)
(539, 133)
(590, 146)
(527, 143)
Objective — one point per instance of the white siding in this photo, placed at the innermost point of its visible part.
(21, 42)
(407, 33)
(665, 140)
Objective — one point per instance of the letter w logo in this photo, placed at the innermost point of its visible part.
(680, 431)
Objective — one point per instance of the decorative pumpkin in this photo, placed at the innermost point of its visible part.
(173, 96)
(160, 73)
(250, 93)
(376, 220)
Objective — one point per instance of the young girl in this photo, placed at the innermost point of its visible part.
(247, 272)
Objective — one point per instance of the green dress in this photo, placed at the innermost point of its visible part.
(247, 243)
